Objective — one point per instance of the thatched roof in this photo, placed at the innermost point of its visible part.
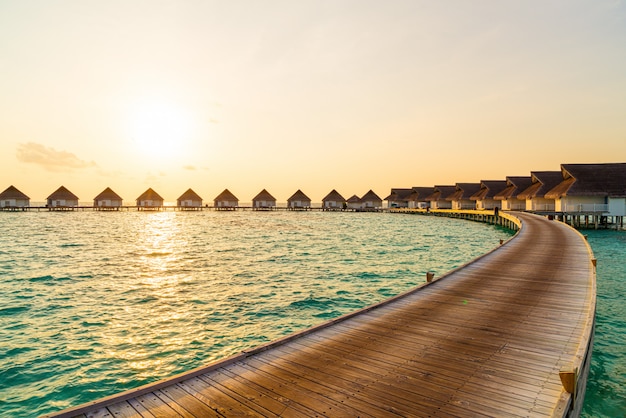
(514, 185)
(226, 196)
(333, 196)
(542, 182)
(108, 194)
(150, 195)
(591, 180)
(399, 195)
(464, 191)
(441, 192)
(488, 189)
(190, 195)
(299, 196)
(264, 195)
(13, 193)
(370, 196)
(354, 199)
(62, 194)
(420, 194)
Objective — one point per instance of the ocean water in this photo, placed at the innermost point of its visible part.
(606, 386)
(94, 303)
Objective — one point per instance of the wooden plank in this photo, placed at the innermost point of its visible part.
(123, 410)
(185, 403)
(156, 406)
(220, 401)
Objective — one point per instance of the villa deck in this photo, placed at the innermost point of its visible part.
(487, 339)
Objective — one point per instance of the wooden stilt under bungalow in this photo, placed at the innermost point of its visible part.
(507, 335)
(13, 199)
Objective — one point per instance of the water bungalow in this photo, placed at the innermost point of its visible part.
(541, 183)
(62, 199)
(418, 197)
(150, 200)
(263, 201)
(398, 198)
(460, 199)
(108, 199)
(189, 201)
(591, 189)
(485, 197)
(333, 201)
(226, 201)
(508, 196)
(371, 201)
(12, 198)
(439, 197)
(299, 201)
(354, 202)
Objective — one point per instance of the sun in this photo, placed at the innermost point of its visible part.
(160, 130)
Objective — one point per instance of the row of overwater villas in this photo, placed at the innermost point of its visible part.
(598, 189)
(63, 198)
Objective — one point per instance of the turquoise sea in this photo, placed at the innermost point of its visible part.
(94, 303)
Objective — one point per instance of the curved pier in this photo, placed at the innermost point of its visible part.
(508, 334)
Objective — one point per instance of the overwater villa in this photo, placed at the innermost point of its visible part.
(418, 199)
(594, 189)
(226, 201)
(333, 201)
(460, 199)
(189, 200)
(485, 197)
(541, 183)
(371, 201)
(150, 200)
(263, 201)
(62, 199)
(298, 201)
(354, 202)
(13, 198)
(107, 199)
(398, 198)
(508, 196)
(438, 198)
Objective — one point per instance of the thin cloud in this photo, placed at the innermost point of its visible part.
(49, 158)
(190, 167)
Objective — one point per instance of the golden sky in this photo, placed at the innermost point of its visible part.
(313, 95)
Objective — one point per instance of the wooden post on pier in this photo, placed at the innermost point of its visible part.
(569, 379)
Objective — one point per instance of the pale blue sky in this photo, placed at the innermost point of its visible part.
(316, 95)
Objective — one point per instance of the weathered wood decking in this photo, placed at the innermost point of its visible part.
(488, 339)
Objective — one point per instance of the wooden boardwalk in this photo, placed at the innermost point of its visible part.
(487, 339)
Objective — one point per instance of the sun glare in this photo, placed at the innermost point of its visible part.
(160, 130)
